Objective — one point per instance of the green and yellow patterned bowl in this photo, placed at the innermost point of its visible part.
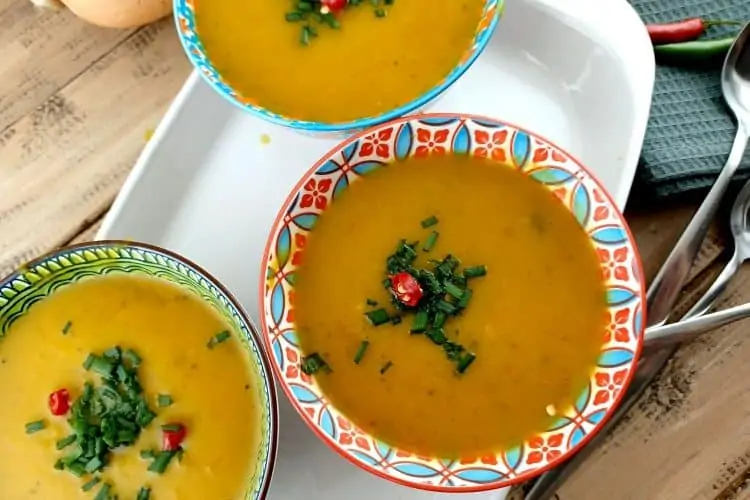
(41, 278)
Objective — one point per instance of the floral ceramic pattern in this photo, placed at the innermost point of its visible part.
(21, 290)
(512, 148)
(185, 19)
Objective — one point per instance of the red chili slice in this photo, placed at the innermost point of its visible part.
(172, 439)
(59, 402)
(406, 289)
(333, 5)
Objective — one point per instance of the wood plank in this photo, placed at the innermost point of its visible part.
(84, 139)
(42, 50)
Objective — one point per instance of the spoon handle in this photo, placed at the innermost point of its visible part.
(688, 329)
(716, 289)
(664, 290)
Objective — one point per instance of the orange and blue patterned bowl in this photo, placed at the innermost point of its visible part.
(186, 28)
(511, 147)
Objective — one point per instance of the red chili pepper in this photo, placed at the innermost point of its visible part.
(59, 402)
(172, 439)
(333, 5)
(406, 289)
(682, 31)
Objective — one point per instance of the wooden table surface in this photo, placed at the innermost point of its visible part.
(76, 106)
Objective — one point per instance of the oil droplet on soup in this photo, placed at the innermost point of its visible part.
(211, 390)
(535, 321)
(368, 66)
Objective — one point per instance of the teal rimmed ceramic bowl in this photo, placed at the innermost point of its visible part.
(42, 277)
(507, 146)
(184, 14)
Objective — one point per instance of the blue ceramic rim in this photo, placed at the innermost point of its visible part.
(355, 125)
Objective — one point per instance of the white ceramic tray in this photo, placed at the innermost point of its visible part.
(209, 183)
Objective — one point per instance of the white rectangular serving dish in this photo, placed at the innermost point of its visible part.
(209, 183)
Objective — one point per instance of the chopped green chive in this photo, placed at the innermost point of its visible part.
(133, 358)
(361, 351)
(395, 320)
(161, 462)
(437, 335)
(218, 339)
(90, 485)
(464, 361)
(77, 469)
(103, 492)
(464, 301)
(94, 465)
(386, 367)
(89, 361)
(59, 465)
(144, 494)
(372, 302)
(304, 7)
(102, 366)
(446, 307)
(452, 350)
(164, 400)
(379, 13)
(429, 221)
(475, 271)
(33, 427)
(147, 454)
(293, 17)
(419, 324)
(378, 317)
(65, 442)
(430, 242)
(66, 327)
(113, 354)
(453, 290)
(439, 319)
(314, 363)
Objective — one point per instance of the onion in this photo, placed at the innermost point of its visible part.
(119, 13)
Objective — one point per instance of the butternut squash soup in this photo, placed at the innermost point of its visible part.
(353, 61)
(125, 387)
(449, 306)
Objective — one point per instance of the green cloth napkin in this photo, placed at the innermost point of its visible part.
(690, 130)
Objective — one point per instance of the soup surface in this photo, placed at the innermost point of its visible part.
(535, 321)
(368, 66)
(210, 391)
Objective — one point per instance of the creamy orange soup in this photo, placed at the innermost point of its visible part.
(535, 321)
(210, 389)
(368, 66)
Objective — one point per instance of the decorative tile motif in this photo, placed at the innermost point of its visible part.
(37, 280)
(511, 147)
(184, 13)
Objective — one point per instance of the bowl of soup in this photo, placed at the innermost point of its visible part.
(129, 372)
(451, 302)
(333, 66)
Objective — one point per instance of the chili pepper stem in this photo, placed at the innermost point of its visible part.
(721, 22)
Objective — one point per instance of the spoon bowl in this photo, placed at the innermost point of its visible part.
(735, 76)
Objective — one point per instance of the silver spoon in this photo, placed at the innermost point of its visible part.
(663, 292)
(740, 226)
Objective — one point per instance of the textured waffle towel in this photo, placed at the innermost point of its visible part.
(690, 130)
